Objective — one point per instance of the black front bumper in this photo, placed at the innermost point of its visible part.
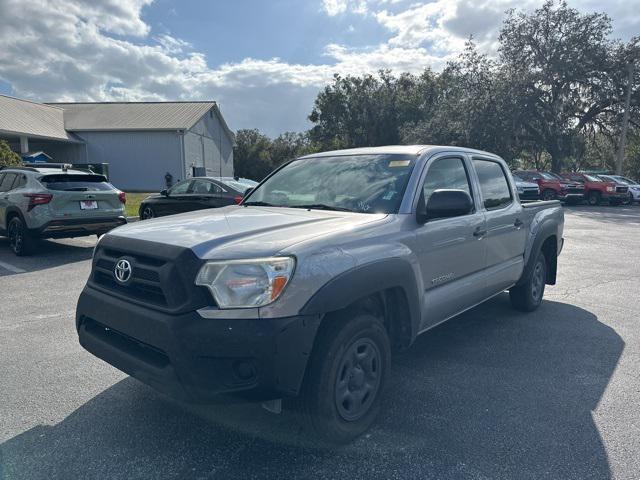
(78, 227)
(193, 358)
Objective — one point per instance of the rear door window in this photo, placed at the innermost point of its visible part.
(180, 188)
(19, 182)
(493, 184)
(7, 182)
(76, 183)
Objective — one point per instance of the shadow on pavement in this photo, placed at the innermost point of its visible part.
(49, 254)
(490, 394)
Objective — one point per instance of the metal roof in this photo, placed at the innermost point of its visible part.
(133, 115)
(22, 117)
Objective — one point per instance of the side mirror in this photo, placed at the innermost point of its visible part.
(248, 191)
(164, 193)
(444, 204)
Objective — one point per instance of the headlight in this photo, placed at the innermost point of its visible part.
(610, 189)
(246, 283)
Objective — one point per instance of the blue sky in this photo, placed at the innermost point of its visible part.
(263, 61)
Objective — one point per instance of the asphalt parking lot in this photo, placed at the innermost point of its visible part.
(491, 394)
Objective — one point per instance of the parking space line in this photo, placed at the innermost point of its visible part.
(11, 268)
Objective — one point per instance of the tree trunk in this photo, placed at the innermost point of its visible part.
(625, 122)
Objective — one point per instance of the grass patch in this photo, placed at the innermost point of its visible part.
(133, 203)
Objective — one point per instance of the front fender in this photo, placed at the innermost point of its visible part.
(365, 280)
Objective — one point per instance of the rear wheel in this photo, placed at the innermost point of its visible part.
(340, 397)
(20, 240)
(147, 212)
(593, 198)
(528, 296)
(549, 194)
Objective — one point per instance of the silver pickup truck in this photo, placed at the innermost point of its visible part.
(303, 291)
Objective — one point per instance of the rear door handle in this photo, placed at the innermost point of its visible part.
(518, 223)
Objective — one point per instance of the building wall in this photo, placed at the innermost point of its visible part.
(58, 151)
(138, 160)
(208, 145)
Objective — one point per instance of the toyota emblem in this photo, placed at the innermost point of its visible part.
(122, 270)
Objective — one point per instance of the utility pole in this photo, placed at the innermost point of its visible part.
(622, 144)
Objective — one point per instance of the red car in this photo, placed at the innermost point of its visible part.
(554, 187)
(597, 189)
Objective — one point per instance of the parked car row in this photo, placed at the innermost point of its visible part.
(576, 187)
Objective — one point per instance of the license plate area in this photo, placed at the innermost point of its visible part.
(88, 204)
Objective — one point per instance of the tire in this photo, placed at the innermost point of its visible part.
(528, 296)
(629, 200)
(147, 212)
(549, 194)
(22, 243)
(340, 396)
(594, 198)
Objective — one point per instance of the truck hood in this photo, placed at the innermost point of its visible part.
(237, 231)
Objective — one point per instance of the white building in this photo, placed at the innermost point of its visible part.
(141, 141)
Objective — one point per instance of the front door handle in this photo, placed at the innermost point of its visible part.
(518, 223)
(479, 232)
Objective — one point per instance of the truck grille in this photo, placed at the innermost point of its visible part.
(575, 190)
(162, 276)
(622, 189)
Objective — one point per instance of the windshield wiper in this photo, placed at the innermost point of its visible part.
(322, 206)
(260, 204)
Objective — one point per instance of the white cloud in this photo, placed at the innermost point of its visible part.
(337, 7)
(103, 50)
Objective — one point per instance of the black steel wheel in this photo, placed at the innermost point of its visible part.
(358, 379)
(340, 395)
(528, 295)
(594, 198)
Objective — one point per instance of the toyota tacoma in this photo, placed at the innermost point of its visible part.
(302, 292)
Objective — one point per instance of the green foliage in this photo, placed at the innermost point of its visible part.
(256, 155)
(8, 158)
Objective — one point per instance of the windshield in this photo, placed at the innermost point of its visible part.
(517, 178)
(625, 180)
(549, 176)
(237, 186)
(553, 176)
(358, 183)
(591, 178)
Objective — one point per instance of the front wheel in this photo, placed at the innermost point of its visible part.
(340, 397)
(20, 240)
(628, 200)
(594, 198)
(528, 296)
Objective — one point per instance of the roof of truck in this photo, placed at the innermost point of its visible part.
(398, 150)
